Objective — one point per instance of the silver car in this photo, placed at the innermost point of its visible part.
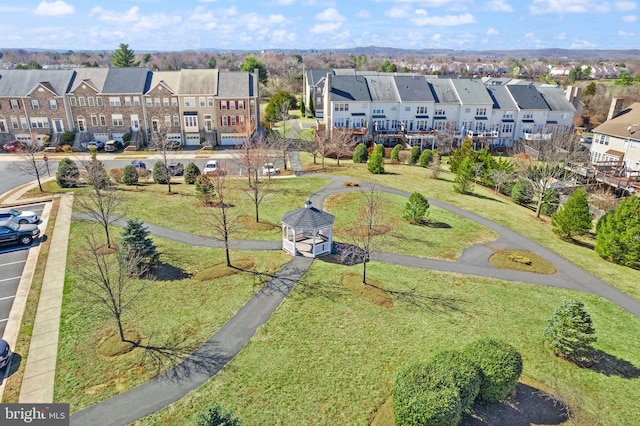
(19, 216)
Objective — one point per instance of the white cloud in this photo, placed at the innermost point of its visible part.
(422, 19)
(622, 33)
(582, 44)
(330, 14)
(436, 37)
(363, 14)
(283, 36)
(398, 12)
(492, 31)
(130, 15)
(499, 6)
(540, 7)
(625, 6)
(155, 21)
(328, 27)
(629, 19)
(56, 8)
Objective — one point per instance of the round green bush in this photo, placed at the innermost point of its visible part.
(424, 395)
(360, 154)
(500, 365)
(376, 162)
(160, 173)
(463, 374)
(191, 173)
(522, 192)
(425, 158)
(129, 175)
(395, 152)
(68, 174)
(414, 154)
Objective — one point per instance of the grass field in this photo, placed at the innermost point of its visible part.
(328, 355)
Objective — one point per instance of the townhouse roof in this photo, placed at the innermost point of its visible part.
(413, 89)
(127, 80)
(236, 85)
(527, 97)
(198, 82)
(471, 91)
(95, 77)
(20, 83)
(171, 79)
(382, 88)
(556, 98)
(349, 88)
(502, 100)
(443, 91)
(623, 124)
(314, 76)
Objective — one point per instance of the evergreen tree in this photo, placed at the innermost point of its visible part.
(136, 242)
(124, 57)
(251, 63)
(360, 154)
(460, 154)
(97, 175)
(425, 158)
(376, 162)
(160, 173)
(617, 233)
(191, 173)
(279, 105)
(463, 182)
(129, 175)
(67, 175)
(573, 218)
(205, 189)
(570, 332)
(416, 208)
(395, 152)
(550, 201)
(522, 192)
(414, 154)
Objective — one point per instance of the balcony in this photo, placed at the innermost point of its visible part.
(530, 136)
(483, 134)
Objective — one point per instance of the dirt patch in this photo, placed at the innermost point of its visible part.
(372, 291)
(222, 270)
(113, 346)
(521, 260)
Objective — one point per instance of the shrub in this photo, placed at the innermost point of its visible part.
(550, 201)
(574, 217)
(68, 137)
(116, 175)
(216, 416)
(360, 154)
(463, 182)
(376, 162)
(416, 208)
(349, 184)
(463, 374)
(68, 174)
(380, 148)
(205, 190)
(522, 192)
(395, 152)
(425, 158)
(130, 175)
(160, 173)
(191, 173)
(617, 233)
(500, 365)
(424, 395)
(570, 332)
(414, 154)
(403, 156)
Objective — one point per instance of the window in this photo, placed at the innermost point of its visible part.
(81, 101)
(422, 124)
(252, 102)
(241, 120)
(421, 110)
(72, 101)
(167, 120)
(116, 120)
(223, 105)
(156, 102)
(174, 102)
(202, 101)
(508, 115)
(481, 112)
(165, 102)
(378, 111)
(114, 101)
(439, 112)
(232, 104)
(527, 116)
(176, 120)
(35, 104)
(103, 120)
(210, 101)
(233, 120)
(136, 101)
(507, 128)
(14, 104)
(602, 139)
(99, 101)
(240, 104)
(342, 107)
(127, 101)
(467, 110)
(14, 122)
(39, 122)
(91, 101)
(53, 104)
(407, 108)
(94, 120)
(440, 125)
(23, 122)
(191, 120)
(189, 101)
(225, 121)
(148, 102)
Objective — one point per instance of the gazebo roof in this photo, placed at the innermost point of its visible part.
(307, 218)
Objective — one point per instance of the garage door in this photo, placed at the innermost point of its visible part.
(232, 139)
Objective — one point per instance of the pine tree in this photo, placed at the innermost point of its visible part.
(129, 175)
(570, 332)
(191, 173)
(395, 152)
(360, 154)
(160, 173)
(67, 175)
(617, 233)
(376, 162)
(416, 208)
(463, 182)
(573, 218)
(425, 158)
(124, 57)
(136, 242)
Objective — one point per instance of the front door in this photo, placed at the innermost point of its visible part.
(3, 125)
(58, 127)
(135, 123)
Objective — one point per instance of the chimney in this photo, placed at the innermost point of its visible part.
(615, 108)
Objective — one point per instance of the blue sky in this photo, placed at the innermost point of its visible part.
(164, 25)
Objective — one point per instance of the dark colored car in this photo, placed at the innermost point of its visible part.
(139, 164)
(176, 169)
(173, 144)
(5, 352)
(14, 146)
(11, 232)
(112, 145)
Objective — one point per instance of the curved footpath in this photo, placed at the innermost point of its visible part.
(213, 355)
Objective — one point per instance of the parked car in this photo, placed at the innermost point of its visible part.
(11, 232)
(14, 146)
(269, 169)
(176, 169)
(211, 167)
(19, 216)
(5, 353)
(174, 144)
(139, 164)
(95, 144)
(112, 145)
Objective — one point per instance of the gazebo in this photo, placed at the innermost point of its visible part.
(307, 231)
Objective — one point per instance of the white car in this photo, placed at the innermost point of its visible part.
(210, 167)
(268, 169)
(18, 216)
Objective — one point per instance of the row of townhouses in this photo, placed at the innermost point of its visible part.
(190, 106)
(492, 111)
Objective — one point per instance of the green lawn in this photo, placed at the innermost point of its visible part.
(329, 356)
(175, 308)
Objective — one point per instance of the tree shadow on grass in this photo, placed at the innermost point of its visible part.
(610, 365)
(433, 224)
(484, 197)
(167, 272)
(425, 302)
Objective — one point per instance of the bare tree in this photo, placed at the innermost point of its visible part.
(369, 230)
(165, 147)
(310, 146)
(435, 165)
(102, 207)
(500, 177)
(339, 143)
(258, 189)
(31, 163)
(110, 280)
(221, 217)
(253, 155)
